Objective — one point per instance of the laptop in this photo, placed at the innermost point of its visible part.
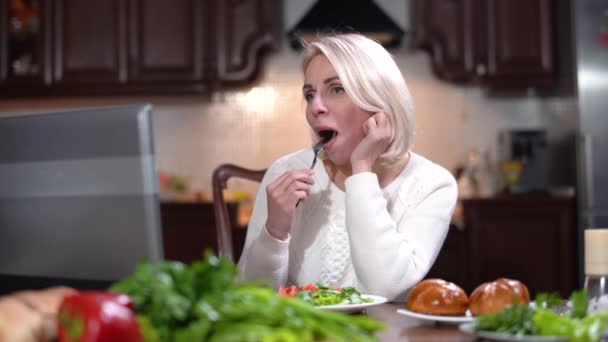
(78, 197)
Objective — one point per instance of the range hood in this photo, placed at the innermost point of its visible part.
(342, 16)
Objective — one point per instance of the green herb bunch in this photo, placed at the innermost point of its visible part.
(205, 302)
(539, 319)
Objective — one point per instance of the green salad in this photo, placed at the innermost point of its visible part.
(540, 319)
(320, 295)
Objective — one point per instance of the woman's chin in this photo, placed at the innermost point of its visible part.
(338, 160)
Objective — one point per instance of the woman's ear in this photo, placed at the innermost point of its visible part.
(389, 115)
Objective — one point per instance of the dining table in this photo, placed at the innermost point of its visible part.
(400, 327)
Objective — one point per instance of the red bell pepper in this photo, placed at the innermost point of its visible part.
(96, 316)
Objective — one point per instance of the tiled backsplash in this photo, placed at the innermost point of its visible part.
(254, 126)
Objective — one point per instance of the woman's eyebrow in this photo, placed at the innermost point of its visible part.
(326, 81)
(331, 79)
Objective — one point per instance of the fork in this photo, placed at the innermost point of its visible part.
(317, 149)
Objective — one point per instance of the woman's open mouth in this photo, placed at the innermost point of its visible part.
(327, 135)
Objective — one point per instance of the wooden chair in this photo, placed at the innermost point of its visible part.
(222, 218)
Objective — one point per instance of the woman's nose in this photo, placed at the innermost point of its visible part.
(317, 105)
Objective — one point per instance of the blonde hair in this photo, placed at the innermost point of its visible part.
(373, 81)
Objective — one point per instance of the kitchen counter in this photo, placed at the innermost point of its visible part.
(404, 328)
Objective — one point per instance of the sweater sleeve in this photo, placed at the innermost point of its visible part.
(391, 256)
(264, 257)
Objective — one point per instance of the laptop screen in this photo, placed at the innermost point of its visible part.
(78, 195)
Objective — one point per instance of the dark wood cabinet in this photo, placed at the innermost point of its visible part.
(244, 30)
(529, 238)
(25, 48)
(135, 46)
(496, 43)
(189, 229)
(517, 38)
(452, 263)
(533, 240)
(166, 40)
(89, 42)
(445, 29)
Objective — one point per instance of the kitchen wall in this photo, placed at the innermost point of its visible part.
(254, 126)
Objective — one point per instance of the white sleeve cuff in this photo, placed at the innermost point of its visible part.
(271, 239)
(364, 181)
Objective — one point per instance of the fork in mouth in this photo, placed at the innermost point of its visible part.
(317, 149)
(326, 137)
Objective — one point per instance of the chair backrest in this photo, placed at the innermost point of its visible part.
(222, 218)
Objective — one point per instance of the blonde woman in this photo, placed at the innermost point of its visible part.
(373, 214)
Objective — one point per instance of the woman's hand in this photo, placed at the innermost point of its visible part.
(282, 195)
(378, 135)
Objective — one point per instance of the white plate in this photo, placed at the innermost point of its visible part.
(377, 300)
(439, 319)
(494, 336)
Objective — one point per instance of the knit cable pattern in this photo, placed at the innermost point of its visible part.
(335, 250)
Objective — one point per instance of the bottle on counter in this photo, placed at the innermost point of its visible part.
(487, 182)
(478, 176)
(596, 269)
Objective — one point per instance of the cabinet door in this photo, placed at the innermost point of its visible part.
(133, 46)
(529, 240)
(519, 42)
(245, 29)
(445, 29)
(166, 40)
(90, 42)
(25, 36)
(189, 229)
(452, 262)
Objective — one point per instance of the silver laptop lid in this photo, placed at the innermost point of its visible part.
(78, 193)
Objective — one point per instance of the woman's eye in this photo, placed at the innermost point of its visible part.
(337, 90)
(309, 96)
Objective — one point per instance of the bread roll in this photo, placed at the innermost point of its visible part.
(438, 297)
(495, 296)
(30, 316)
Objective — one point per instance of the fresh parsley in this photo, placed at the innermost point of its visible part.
(205, 302)
(541, 320)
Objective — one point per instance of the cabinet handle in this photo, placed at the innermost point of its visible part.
(587, 165)
(480, 69)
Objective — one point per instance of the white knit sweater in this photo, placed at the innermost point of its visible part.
(381, 241)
